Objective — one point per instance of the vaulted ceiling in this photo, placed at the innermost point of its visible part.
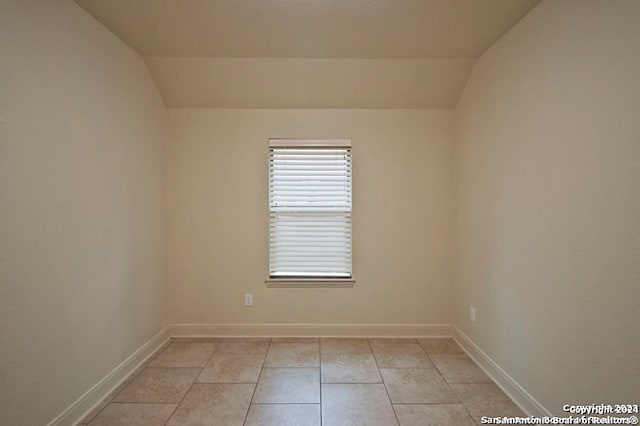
(309, 53)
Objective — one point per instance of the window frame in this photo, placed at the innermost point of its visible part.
(312, 281)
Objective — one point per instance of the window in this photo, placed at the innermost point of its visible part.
(309, 209)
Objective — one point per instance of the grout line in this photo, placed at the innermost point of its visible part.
(473, 419)
(392, 341)
(320, 384)
(435, 366)
(144, 403)
(266, 353)
(407, 368)
(288, 368)
(353, 383)
(185, 394)
(192, 383)
(448, 384)
(383, 383)
(285, 403)
(427, 403)
(173, 368)
(226, 383)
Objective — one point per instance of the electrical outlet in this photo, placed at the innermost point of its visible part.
(248, 299)
(472, 313)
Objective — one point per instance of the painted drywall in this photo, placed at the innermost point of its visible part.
(217, 181)
(187, 82)
(309, 29)
(547, 171)
(82, 207)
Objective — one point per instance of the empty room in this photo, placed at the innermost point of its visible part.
(319, 212)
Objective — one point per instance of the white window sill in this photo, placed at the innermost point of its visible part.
(310, 282)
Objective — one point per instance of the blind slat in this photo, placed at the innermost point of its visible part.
(310, 211)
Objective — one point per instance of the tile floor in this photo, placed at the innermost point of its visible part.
(305, 381)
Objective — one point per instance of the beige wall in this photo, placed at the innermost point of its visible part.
(547, 164)
(82, 207)
(218, 218)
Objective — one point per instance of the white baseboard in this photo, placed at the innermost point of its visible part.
(517, 393)
(91, 398)
(310, 330)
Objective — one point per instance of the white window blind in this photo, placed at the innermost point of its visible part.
(309, 209)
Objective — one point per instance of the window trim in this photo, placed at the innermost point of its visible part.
(310, 282)
(309, 143)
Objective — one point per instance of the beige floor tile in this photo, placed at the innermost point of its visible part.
(295, 340)
(356, 404)
(159, 385)
(443, 387)
(432, 414)
(400, 355)
(459, 368)
(344, 346)
(485, 399)
(244, 345)
(393, 340)
(185, 354)
(232, 368)
(214, 404)
(288, 385)
(283, 415)
(293, 355)
(134, 415)
(440, 346)
(349, 368)
(417, 386)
